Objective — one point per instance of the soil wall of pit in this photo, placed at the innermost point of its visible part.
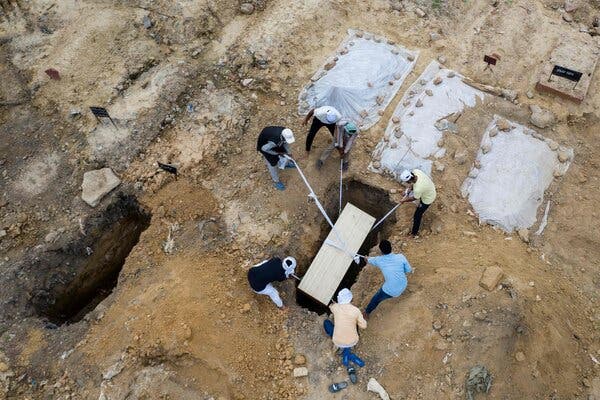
(61, 282)
(372, 200)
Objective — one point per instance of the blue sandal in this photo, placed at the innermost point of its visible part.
(352, 375)
(336, 387)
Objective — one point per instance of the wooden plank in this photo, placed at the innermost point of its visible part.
(330, 264)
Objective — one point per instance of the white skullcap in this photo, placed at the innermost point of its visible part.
(288, 135)
(344, 296)
(331, 117)
(289, 265)
(405, 176)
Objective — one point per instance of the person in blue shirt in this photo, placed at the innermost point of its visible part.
(394, 268)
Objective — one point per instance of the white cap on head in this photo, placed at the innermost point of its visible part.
(406, 175)
(331, 117)
(344, 296)
(289, 265)
(288, 135)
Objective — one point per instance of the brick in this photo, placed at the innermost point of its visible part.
(491, 278)
(300, 372)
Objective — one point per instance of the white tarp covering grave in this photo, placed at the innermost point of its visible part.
(361, 79)
(513, 169)
(413, 135)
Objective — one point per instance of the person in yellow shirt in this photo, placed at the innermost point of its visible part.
(343, 332)
(421, 188)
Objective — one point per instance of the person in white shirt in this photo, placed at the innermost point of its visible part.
(343, 139)
(323, 116)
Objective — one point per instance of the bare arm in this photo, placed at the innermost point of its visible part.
(338, 139)
(407, 199)
(308, 116)
(408, 195)
(350, 143)
(362, 323)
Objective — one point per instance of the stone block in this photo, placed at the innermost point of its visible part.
(97, 184)
(491, 278)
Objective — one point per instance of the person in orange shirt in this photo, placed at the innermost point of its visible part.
(346, 317)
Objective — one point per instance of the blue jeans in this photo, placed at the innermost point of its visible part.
(377, 298)
(328, 326)
(347, 354)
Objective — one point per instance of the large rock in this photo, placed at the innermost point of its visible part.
(571, 5)
(299, 359)
(460, 156)
(503, 125)
(300, 372)
(374, 386)
(247, 8)
(491, 278)
(97, 184)
(524, 234)
(541, 117)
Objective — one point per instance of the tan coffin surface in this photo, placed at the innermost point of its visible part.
(330, 264)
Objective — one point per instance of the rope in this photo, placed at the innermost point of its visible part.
(341, 177)
(385, 216)
(342, 246)
(313, 196)
(356, 257)
(296, 276)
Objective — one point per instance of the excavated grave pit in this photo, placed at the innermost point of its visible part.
(84, 272)
(370, 199)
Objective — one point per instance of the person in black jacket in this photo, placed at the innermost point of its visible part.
(263, 274)
(273, 143)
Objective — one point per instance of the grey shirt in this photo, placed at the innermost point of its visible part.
(269, 146)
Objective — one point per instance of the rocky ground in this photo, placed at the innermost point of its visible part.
(191, 84)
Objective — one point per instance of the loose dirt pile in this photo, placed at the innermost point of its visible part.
(145, 296)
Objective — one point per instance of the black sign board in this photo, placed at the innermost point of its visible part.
(489, 60)
(566, 73)
(100, 112)
(169, 168)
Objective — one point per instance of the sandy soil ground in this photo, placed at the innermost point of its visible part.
(184, 324)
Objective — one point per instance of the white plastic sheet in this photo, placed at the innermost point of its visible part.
(363, 77)
(518, 167)
(411, 138)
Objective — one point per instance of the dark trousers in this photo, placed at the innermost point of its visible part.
(314, 128)
(377, 298)
(421, 208)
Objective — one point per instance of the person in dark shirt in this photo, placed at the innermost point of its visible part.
(263, 274)
(273, 143)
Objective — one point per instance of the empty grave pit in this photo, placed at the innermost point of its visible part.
(370, 199)
(85, 271)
